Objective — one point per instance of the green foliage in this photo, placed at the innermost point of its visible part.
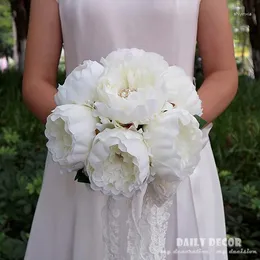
(235, 140)
(22, 158)
(236, 145)
(237, 19)
(6, 41)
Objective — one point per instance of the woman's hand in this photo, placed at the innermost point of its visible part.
(42, 57)
(217, 52)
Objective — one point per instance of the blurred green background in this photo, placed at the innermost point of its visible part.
(235, 136)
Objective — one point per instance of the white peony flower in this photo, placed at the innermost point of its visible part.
(80, 85)
(70, 130)
(175, 141)
(118, 163)
(181, 91)
(131, 89)
(120, 56)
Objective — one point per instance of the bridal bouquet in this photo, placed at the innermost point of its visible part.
(128, 121)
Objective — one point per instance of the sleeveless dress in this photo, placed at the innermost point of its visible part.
(71, 221)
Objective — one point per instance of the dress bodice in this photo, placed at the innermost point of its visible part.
(93, 28)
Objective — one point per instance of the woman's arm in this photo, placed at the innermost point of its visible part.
(216, 49)
(42, 57)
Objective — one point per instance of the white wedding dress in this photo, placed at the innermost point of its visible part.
(71, 221)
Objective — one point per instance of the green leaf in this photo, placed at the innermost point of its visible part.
(27, 209)
(250, 243)
(81, 176)
(201, 121)
(255, 234)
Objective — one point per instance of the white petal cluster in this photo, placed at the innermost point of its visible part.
(127, 121)
(131, 89)
(175, 141)
(80, 85)
(118, 163)
(181, 91)
(70, 130)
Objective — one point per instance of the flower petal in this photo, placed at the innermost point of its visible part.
(118, 163)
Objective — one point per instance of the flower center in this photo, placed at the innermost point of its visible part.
(124, 93)
(120, 167)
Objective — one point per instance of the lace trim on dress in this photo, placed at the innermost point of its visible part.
(147, 235)
(133, 238)
(147, 224)
(110, 215)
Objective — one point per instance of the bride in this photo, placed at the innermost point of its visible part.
(73, 222)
